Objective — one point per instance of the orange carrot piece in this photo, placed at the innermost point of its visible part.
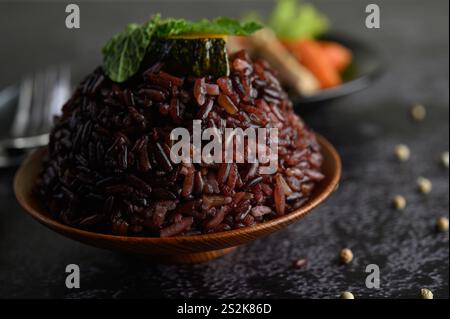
(312, 56)
(340, 56)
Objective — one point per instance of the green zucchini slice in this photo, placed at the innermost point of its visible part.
(192, 56)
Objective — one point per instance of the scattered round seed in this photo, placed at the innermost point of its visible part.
(418, 112)
(399, 202)
(346, 256)
(300, 263)
(347, 295)
(445, 159)
(425, 185)
(402, 152)
(426, 294)
(442, 224)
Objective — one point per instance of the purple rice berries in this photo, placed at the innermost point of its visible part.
(109, 168)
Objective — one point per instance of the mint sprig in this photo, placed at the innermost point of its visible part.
(124, 53)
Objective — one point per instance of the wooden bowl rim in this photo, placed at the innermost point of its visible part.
(52, 223)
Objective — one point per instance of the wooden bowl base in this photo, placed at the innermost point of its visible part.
(189, 258)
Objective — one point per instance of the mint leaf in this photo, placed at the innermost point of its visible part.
(293, 20)
(123, 54)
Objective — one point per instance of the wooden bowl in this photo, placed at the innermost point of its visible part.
(180, 249)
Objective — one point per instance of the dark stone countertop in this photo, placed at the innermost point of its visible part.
(364, 127)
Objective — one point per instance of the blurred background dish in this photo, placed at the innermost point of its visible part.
(27, 110)
(314, 63)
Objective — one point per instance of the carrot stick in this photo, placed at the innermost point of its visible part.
(313, 57)
(339, 55)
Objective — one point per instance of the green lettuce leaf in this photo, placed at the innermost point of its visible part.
(293, 20)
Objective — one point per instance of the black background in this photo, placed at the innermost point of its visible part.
(364, 127)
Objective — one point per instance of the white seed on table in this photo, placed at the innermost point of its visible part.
(445, 159)
(347, 295)
(425, 185)
(426, 294)
(402, 152)
(399, 202)
(442, 224)
(418, 112)
(346, 256)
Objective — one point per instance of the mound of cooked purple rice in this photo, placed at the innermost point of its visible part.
(109, 170)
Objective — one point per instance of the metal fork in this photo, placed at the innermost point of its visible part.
(40, 98)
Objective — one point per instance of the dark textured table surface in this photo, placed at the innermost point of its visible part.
(364, 127)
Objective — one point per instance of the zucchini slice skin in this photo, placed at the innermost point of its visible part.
(192, 56)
